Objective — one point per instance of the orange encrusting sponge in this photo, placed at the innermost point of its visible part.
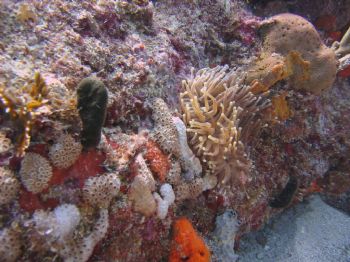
(157, 160)
(186, 244)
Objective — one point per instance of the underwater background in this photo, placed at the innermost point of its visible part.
(199, 130)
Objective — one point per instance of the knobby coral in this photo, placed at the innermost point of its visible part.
(220, 114)
(165, 132)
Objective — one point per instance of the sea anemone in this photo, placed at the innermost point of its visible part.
(221, 114)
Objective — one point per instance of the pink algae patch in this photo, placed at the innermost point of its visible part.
(89, 164)
(30, 202)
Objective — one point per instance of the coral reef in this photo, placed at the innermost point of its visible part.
(92, 103)
(244, 133)
(170, 133)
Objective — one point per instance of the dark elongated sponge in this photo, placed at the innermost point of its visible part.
(92, 104)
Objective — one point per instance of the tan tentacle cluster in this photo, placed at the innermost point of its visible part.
(219, 113)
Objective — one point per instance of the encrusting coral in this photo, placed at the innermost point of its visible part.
(35, 172)
(158, 161)
(9, 186)
(121, 149)
(186, 244)
(99, 191)
(220, 112)
(165, 132)
(192, 189)
(92, 104)
(10, 248)
(174, 175)
(65, 151)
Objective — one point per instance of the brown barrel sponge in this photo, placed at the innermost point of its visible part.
(287, 33)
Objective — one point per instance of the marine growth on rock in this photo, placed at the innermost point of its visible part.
(167, 130)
